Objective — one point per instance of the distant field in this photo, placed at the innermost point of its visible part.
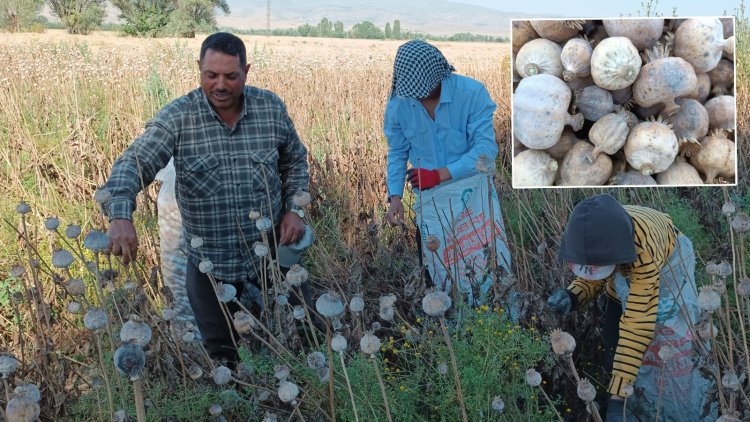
(69, 105)
(304, 48)
(82, 100)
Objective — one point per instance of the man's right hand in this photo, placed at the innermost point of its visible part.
(559, 301)
(395, 213)
(123, 239)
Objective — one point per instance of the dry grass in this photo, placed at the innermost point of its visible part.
(69, 105)
(96, 93)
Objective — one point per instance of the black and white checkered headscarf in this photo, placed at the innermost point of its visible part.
(418, 69)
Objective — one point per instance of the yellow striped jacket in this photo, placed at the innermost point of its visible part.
(655, 238)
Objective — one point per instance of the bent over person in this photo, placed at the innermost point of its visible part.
(441, 123)
(645, 267)
(235, 151)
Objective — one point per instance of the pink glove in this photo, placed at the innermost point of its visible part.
(423, 179)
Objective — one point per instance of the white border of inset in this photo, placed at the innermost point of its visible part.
(734, 94)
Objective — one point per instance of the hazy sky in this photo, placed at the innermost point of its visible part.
(603, 8)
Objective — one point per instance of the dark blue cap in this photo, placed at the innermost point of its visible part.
(599, 232)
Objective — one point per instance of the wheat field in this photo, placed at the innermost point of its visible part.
(69, 105)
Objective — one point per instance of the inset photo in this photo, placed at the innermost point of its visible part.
(624, 102)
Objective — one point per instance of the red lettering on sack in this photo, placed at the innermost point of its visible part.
(680, 364)
(468, 237)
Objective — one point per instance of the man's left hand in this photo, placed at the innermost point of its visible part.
(292, 228)
(423, 178)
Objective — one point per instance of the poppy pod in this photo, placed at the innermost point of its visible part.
(23, 208)
(316, 360)
(8, 365)
(533, 378)
(62, 259)
(432, 242)
(281, 372)
(498, 405)
(369, 344)
(296, 275)
(135, 332)
(21, 409)
(586, 391)
(195, 372)
(288, 391)
(436, 303)
(225, 292)
(130, 360)
(96, 241)
(357, 304)
(741, 223)
(708, 299)
(730, 381)
(75, 287)
(339, 343)
(51, 223)
(205, 266)
(243, 322)
(298, 313)
(28, 391)
(743, 289)
(563, 344)
(95, 319)
(330, 305)
(72, 231)
(221, 375)
(74, 307)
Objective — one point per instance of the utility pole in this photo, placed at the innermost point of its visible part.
(268, 18)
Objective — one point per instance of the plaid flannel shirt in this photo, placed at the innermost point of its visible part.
(222, 174)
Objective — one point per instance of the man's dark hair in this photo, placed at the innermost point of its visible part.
(226, 43)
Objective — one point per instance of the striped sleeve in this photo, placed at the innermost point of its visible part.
(654, 241)
(586, 290)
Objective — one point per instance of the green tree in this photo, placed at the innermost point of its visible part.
(18, 15)
(307, 30)
(158, 18)
(338, 29)
(191, 16)
(79, 16)
(366, 30)
(388, 31)
(145, 18)
(325, 28)
(397, 29)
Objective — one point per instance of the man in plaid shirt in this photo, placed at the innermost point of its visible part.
(235, 151)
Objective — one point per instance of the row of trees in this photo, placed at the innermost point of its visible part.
(367, 30)
(149, 18)
(158, 18)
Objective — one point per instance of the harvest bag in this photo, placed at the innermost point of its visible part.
(468, 222)
(171, 242)
(677, 387)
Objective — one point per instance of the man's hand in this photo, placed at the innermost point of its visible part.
(423, 179)
(395, 214)
(123, 239)
(615, 410)
(292, 228)
(559, 301)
